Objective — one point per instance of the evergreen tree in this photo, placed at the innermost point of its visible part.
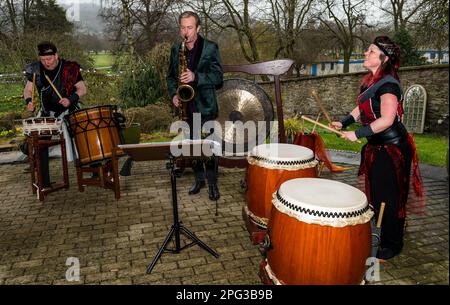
(48, 16)
(410, 55)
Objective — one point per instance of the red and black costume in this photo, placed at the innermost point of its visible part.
(64, 77)
(386, 163)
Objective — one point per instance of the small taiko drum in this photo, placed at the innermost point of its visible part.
(42, 126)
(95, 132)
(269, 166)
(318, 234)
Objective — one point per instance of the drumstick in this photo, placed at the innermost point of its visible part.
(325, 127)
(380, 215)
(53, 86)
(317, 120)
(319, 102)
(32, 87)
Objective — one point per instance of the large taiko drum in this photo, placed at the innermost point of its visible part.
(42, 126)
(95, 132)
(319, 233)
(269, 166)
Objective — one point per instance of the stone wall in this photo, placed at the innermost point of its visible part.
(339, 93)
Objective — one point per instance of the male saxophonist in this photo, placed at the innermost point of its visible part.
(204, 74)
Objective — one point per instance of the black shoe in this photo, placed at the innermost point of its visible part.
(213, 192)
(195, 188)
(386, 253)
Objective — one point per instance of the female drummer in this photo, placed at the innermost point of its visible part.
(386, 158)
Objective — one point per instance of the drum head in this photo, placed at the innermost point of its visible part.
(42, 125)
(282, 156)
(282, 152)
(323, 201)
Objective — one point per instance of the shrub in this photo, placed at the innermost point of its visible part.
(159, 57)
(141, 86)
(102, 89)
(154, 117)
(7, 121)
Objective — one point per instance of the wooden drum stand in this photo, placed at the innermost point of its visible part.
(36, 143)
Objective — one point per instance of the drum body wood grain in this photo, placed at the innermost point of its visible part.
(95, 132)
(269, 166)
(319, 232)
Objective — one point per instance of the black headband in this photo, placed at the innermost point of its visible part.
(48, 52)
(386, 51)
(383, 49)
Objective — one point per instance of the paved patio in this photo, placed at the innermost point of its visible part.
(114, 241)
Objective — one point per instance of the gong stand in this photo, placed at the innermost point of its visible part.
(274, 68)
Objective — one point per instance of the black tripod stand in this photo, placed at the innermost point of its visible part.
(177, 227)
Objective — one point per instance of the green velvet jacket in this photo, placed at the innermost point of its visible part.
(208, 77)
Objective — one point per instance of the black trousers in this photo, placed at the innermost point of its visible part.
(385, 188)
(45, 171)
(201, 168)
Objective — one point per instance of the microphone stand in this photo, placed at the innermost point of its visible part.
(177, 226)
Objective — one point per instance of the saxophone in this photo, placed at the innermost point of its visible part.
(185, 92)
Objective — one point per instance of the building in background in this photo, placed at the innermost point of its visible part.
(433, 58)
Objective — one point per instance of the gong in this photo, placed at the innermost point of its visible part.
(245, 116)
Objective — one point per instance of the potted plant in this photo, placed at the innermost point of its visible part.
(131, 131)
(291, 127)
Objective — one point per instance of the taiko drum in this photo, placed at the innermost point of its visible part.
(319, 233)
(95, 132)
(42, 126)
(269, 166)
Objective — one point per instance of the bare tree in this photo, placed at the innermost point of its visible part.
(136, 24)
(311, 45)
(402, 11)
(342, 22)
(126, 7)
(236, 15)
(10, 15)
(24, 23)
(288, 18)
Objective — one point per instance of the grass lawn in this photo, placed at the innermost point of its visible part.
(11, 97)
(431, 149)
(102, 59)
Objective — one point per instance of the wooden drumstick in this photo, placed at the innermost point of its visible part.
(319, 102)
(53, 86)
(380, 215)
(315, 124)
(33, 85)
(325, 127)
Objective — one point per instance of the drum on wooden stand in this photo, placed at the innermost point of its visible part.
(318, 233)
(95, 133)
(43, 133)
(269, 166)
(42, 126)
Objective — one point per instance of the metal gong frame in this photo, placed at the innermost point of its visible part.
(275, 68)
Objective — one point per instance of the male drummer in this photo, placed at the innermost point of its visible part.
(66, 78)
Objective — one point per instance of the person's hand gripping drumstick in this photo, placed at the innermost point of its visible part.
(348, 135)
(62, 100)
(341, 134)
